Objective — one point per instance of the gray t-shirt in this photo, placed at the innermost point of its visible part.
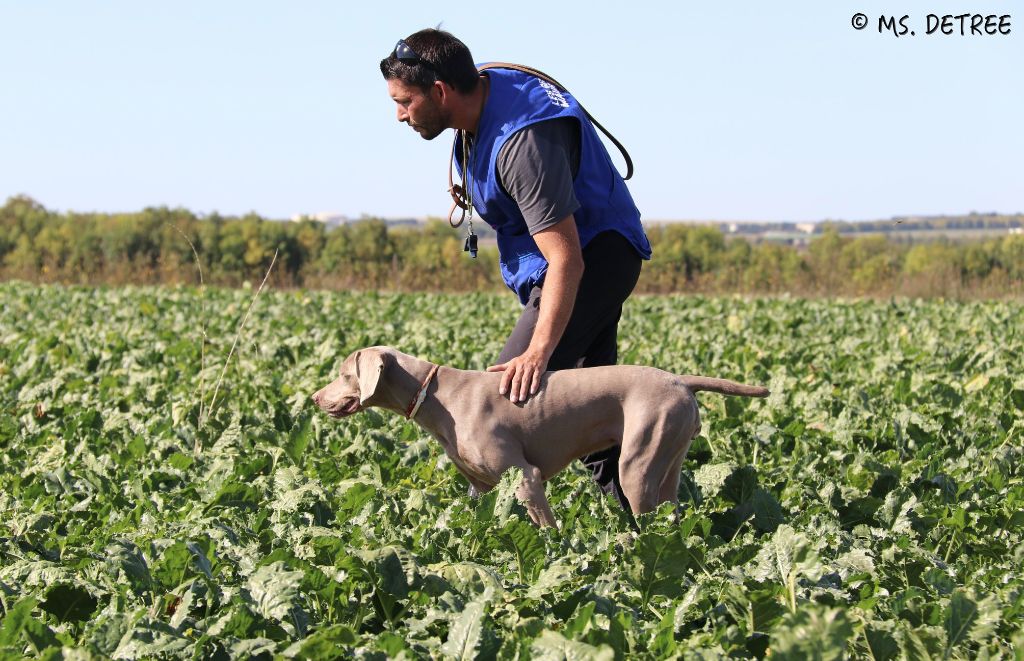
(536, 167)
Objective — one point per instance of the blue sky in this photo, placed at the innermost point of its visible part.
(741, 110)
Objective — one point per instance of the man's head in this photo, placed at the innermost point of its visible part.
(426, 72)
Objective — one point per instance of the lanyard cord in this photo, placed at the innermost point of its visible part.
(464, 194)
(467, 179)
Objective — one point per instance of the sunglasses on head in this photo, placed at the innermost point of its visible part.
(406, 55)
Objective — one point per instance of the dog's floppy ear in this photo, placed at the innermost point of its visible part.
(370, 365)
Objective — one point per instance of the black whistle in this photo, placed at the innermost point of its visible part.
(470, 246)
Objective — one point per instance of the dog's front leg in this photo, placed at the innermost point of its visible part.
(531, 493)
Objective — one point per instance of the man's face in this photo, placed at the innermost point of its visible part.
(423, 111)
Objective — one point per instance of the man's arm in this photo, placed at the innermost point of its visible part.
(536, 167)
(560, 245)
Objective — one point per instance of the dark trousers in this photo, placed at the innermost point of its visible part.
(611, 269)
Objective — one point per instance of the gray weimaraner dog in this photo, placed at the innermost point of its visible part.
(650, 413)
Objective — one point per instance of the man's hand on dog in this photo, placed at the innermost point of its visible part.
(522, 374)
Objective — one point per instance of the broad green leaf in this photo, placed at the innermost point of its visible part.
(523, 540)
(465, 631)
(552, 578)
(881, 644)
(252, 648)
(787, 556)
(34, 529)
(274, 590)
(813, 632)
(237, 620)
(353, 494)
(659, 564)
(332, 642)
(125, 557)
(1017, 397)
(394, 569)
(199, 559)
(966, 619)
(740, 486)
(505, 494)
(469, 578)
(580, 621)
(768, 514)
(182, 608)
(69, 603)
(663, 643)
(298, 439)
(914, 646)
(149, 638)
(173, 567)
(106, 632)
(237, 495)
(18, 625)
(895, 514)
(394, 645)
(552, 646)
(711, 477)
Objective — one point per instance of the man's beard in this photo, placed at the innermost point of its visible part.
(432, 126)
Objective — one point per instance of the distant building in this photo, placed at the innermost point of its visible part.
(332, 219)
(325, 217)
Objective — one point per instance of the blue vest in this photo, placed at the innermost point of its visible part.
(517, 100)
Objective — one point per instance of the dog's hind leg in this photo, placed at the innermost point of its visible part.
(652, 456)
(669, 492)
(640, 473)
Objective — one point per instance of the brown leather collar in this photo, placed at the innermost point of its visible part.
(421, 394)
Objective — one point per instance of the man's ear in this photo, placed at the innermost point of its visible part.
(369, 367)
(441, 91)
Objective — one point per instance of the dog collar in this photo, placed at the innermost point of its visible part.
(417, 401)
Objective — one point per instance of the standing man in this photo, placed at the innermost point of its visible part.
(569, 235)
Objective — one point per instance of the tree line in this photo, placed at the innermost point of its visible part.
(170, 246)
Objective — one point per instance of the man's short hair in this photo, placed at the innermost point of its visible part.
(449, 59)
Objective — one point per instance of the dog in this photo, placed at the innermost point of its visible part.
(651, 414)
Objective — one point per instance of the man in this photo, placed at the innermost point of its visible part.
(569, 235)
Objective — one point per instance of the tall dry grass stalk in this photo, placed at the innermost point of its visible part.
(234, 344)
(206, 410)
(202, 321)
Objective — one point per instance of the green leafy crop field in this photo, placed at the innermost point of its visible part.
(872, 507)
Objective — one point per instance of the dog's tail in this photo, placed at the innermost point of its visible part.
(722, 386)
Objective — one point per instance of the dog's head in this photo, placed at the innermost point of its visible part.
(356, 384)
